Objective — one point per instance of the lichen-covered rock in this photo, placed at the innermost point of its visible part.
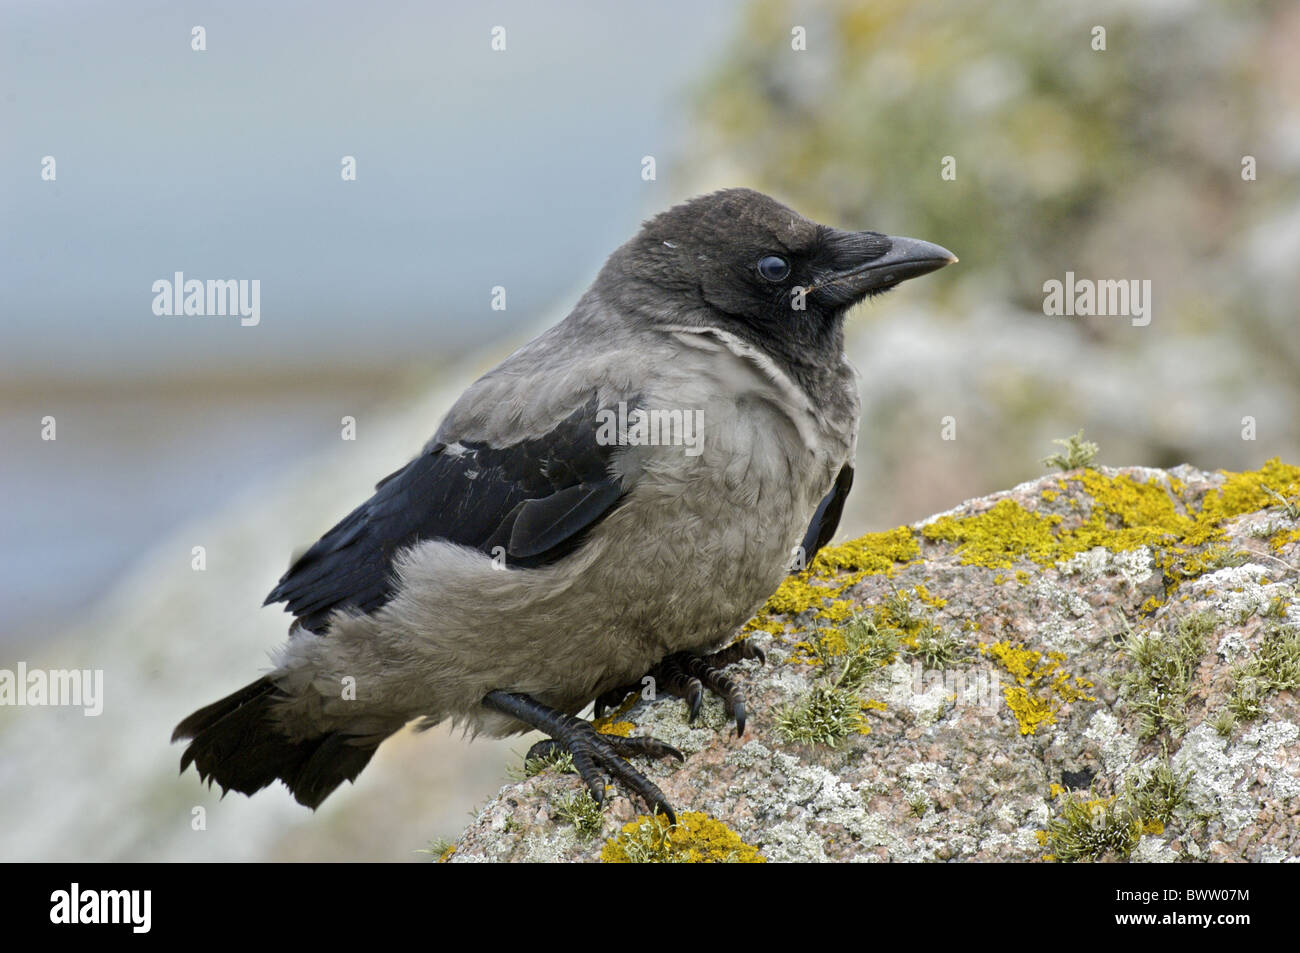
(1099, 665)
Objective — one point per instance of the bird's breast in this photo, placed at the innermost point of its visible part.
(715, 529)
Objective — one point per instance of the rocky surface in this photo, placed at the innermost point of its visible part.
(1099, 665)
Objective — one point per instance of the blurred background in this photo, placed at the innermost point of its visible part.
(523, 168)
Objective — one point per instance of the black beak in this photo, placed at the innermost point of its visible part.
(869, 272)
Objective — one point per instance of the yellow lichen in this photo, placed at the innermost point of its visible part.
(799, 593)
(608, 726)
(871, 554)
(999, 536)
(695, 839)
(1281, 540)
(1042, 685)
(1118, 513)
(923, 595)
(1031, 711)
(1249, 492)
(1151, 605)
(834, 570)
(871, 704)
(612, 724)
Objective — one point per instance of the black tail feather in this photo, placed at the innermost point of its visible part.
(237, 743)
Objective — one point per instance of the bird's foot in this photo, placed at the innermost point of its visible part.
(687, 676)
(594, 754)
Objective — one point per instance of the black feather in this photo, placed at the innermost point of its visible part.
(534, 499)
(827, 517)
(236, 743)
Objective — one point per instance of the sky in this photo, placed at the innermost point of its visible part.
(476, 169)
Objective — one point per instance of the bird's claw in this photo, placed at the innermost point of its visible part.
(686, 676)
(595, 754)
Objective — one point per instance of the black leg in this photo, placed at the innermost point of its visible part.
(687, 676)
(593, 753)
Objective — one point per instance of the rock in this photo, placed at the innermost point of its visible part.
(1098, 665)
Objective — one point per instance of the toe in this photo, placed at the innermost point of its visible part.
(649, 747)
(694, 695)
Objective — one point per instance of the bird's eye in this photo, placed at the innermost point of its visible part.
(773, 268)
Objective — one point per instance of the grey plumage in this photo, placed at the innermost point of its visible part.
(520, 552)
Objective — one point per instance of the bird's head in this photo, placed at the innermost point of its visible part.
(742, 261)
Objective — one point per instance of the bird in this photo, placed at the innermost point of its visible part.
(613, 500)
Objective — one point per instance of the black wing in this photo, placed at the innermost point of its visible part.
(535, 499)
(827, 518)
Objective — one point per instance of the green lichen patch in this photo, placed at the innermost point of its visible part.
(1159, 682)
(860, 646)
(441, 848)
(1224, 721)
(831, 712)
(695, 839)
(910, 614)
(561, 761)
(1078, 453)
(1090, 829)
(1042, 685)
(1274, 668)
(582, 811)
(936, 648)
(1156, 795)
(824, 716)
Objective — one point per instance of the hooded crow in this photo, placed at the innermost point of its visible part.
(617, 497)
